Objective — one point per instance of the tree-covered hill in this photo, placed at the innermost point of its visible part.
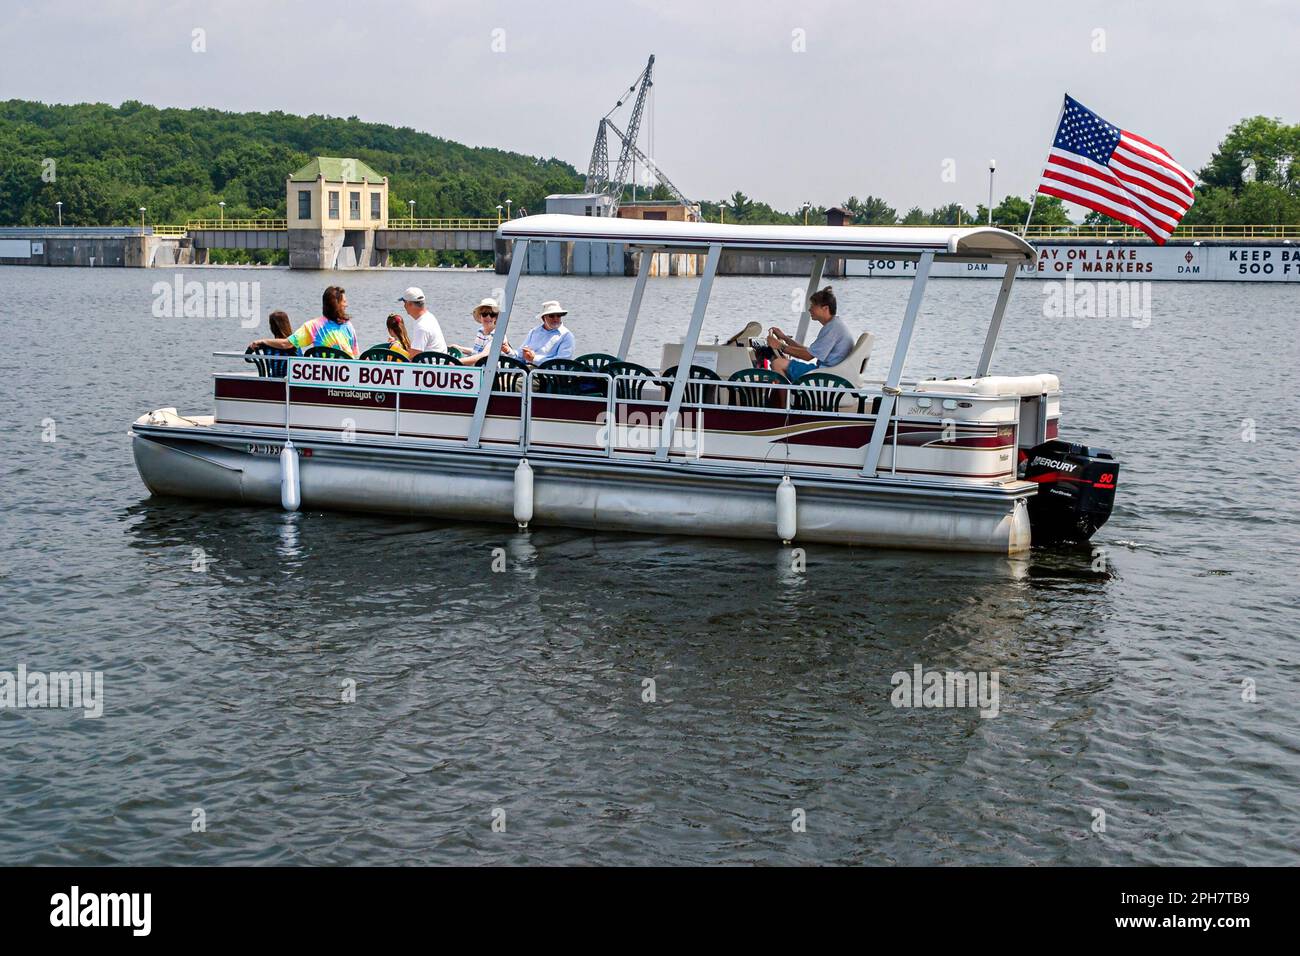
(105, 162)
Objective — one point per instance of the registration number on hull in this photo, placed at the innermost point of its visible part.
(273, 451)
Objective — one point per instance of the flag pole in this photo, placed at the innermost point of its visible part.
(1034, 200)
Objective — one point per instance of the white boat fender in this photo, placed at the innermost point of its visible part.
(523, 494)
(785, 510)
(290, 493)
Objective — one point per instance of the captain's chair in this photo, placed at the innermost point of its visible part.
(752, 330)
(853, 367)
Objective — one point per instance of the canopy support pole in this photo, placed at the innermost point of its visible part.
(889, 398)
(995, 327)
(814, 280)
(669, 423)
(642, 273)
(517, 256)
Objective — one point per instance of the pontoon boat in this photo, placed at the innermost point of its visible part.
(707, 444)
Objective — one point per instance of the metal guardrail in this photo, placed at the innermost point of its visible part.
(454, 223)
(1281, 231)
(267, 225)
(611, 397)
(169, 230)
(279, 225)
(75, 232)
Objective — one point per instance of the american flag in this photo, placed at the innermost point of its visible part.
(1118, 173)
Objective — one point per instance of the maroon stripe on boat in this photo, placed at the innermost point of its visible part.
(498, 405)
(569, 409)
(251, 389)
(934, 437)
(836, 436)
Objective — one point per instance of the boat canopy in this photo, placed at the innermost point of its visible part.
(947, 243)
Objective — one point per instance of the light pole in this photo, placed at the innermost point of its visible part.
(508, 202)
(993, 164)
(499, 208)
(411, 206)
(142, 212)
(960, 207)
(806, 207)
(222, 204)
(59, 208)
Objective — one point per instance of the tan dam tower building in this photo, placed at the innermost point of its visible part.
(334, 206)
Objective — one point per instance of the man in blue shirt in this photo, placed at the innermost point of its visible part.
(831, 347)
(549, 340)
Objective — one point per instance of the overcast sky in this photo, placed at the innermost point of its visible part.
(880, 96)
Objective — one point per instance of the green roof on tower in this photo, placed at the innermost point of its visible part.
(336, 170)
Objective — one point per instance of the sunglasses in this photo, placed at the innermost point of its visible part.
(489, 315)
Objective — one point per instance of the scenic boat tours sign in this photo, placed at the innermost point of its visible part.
(385, 376)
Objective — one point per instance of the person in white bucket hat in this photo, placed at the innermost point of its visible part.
(549, 340)
(426, 333)
(485, 314)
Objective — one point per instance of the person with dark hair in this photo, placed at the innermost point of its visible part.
(332, 328)
(280, 328)
(398, 340)
(831, 347)
(279, 322)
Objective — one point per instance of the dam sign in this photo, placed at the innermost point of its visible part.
(1218, 262)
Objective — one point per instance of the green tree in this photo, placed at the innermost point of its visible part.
(1258, 149)
(872, 211)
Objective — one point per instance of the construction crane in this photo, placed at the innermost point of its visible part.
(649, 164)
(599, 178)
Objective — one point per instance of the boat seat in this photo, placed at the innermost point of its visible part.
(752, 330)
(693, 394)
(821, 392)
(853, 367)
(325, 351)
(993, 385)
(752, 393)
(630, 388)
(433, 357)
(382, 353)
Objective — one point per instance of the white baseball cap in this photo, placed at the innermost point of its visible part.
(412, 295)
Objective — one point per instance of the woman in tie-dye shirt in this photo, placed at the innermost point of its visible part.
(332, 329)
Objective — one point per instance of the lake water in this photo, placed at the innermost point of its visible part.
(1160, 690)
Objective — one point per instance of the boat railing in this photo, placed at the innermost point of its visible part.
(828, 402)
(619, 403)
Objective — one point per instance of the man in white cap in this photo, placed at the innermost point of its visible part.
(426, 333)
(549, 340)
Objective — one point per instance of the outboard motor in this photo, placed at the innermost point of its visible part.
(1076, 490)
